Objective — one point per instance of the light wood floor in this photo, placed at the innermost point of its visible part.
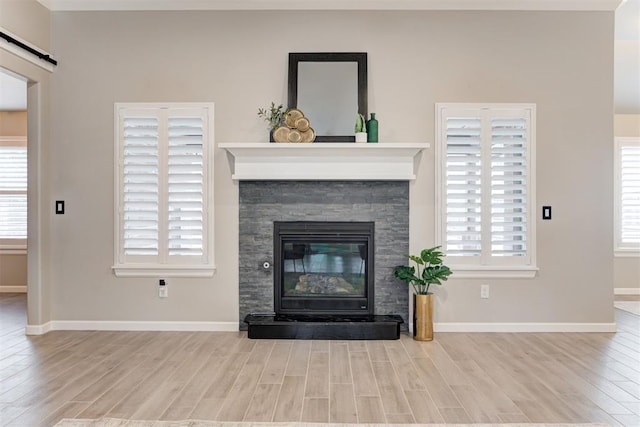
(457, 378)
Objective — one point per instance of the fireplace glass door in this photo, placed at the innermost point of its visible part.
(323, 268)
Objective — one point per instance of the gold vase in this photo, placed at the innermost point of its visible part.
(423, 317)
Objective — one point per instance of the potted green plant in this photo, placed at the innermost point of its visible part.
(274, 116)
(361, 128)
(428, 270)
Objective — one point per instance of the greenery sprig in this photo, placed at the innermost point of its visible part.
(274, 115)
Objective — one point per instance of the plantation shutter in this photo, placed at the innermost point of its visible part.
(164, 227)
(141, 186)
(13, 192)
(485, 176)
(186, 186)
(630, 194)
(509, 186)
(463, 186)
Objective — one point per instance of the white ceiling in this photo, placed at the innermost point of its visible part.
(627, 32)
(628, 20)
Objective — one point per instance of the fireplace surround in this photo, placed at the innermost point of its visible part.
(323, 182)
(262, 203)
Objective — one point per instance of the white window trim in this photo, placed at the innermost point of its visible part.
(472, 271)
(621, 249)
(13, 249)
(155, 269)
(462, 271)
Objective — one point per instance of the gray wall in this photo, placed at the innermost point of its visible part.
(238, 60)
(13, 273)
(27, 19)
(384, 203)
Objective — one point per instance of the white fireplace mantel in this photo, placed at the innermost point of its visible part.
(323, 161)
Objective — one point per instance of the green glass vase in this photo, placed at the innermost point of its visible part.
(372, 129)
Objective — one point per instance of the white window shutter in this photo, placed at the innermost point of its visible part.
(13, 192)
(485, 192)
(164, 224)
(630, 194)
(186, 186)
(509, 186)
(463, 186)
(141, 186)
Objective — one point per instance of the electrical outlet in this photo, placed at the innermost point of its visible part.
(484, 291)
(163, 289)
(163, 292)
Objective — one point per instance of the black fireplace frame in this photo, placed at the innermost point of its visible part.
(323, 231)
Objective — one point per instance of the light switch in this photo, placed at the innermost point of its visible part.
(59, 207)
(546, 212)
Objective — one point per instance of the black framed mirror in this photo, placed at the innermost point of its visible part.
(331, 89)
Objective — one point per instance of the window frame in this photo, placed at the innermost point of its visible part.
(487, 266)
(621, 249)
(14, 246)
(164, 265)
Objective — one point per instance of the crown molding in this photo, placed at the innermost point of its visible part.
(175, 5)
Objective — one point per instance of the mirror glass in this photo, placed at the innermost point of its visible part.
(330, 89)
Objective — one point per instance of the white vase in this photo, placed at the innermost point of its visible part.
(361, 137)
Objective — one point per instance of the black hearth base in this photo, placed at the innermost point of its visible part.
(377, 327)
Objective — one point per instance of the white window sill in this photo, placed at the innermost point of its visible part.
(13, 249)
(492, 272)
(627, 253)
(163, 271)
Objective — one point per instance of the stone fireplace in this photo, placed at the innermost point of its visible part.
(341, 183)
(263, 203)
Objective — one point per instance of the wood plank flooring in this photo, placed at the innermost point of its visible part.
(457, 378)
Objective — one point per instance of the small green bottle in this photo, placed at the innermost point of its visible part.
(372, 129)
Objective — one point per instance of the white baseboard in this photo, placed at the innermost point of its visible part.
(524, 327)
(13, 289)
(74, 325)
(93, 325)
(626, 291)
(38, 329)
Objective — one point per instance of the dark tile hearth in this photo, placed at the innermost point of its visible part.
(360, 327)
